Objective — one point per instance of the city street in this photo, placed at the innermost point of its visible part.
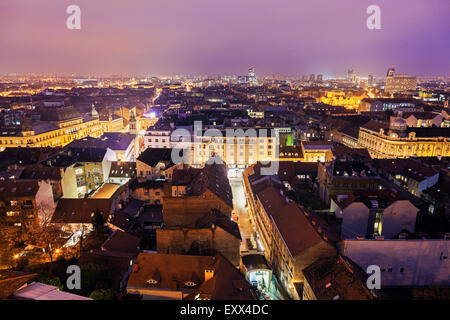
(245, 227)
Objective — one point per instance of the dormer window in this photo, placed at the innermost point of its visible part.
(152, 281)
(190, 284)
(155, 278)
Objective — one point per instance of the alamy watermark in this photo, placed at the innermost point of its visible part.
(374, 279)
(73, 22)
(74, 280)
(374, 20)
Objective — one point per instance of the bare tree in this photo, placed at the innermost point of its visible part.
(45, 234)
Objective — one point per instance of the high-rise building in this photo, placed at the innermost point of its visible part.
(370, 80)
(251, 72)
(351, 76)
(312, 77)
(390, 72)
(252, 76)
(305, 78)
(319, 77)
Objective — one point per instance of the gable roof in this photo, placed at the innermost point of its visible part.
(152, 156)
(41, 173)
(375, 125)
(122, 242)
(18, 189)
(172, 271)
(81, 210)
(122, 169)
(213, 177)
(337, 278)
(295, 228)
(215, 217)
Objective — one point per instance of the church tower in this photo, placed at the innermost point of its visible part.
(94, 112)
(133, 123)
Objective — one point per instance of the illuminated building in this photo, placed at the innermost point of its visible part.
(390, 72)
(398, 141)
(291, 237)
(351, 76)
(25, 203)
(158, 138)
(370, 80)
(400, 82)
(386, 104)
(57, 127)
(252, 76)
(111, 123)
(342, 176)
(340, 98)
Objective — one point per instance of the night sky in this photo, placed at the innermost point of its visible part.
(211, 37)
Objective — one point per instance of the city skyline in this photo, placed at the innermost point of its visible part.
(210, 38)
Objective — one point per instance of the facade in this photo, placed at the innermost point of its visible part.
(410, 174)
(25, 203)
(290, 240)
(84, 170)
(193, 193)
(111, 123)
(383, 141)
(400, 82)
(289, 237)
(403, 263)
(369, 214)
(154, 164)
(340, 177)
(57, 127)
(421, 119)
(214, 232)
(314, 151)
(386, 104)
(158, 138)
(76, 216)
(53, 176)
(238, 152)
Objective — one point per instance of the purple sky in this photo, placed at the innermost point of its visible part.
(211, 37)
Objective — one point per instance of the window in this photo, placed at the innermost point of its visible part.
(190, 284)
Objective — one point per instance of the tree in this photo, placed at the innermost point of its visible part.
(45, 234)
(103, 294)
(93, 277)
(11, 245)
(99, 223)
(50, 279)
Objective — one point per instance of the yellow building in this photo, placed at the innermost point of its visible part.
(340, 98)
(57, 127)
(399, 141)
(235, 151)
(243, 151)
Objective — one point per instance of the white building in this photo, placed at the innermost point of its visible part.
(403, 263)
